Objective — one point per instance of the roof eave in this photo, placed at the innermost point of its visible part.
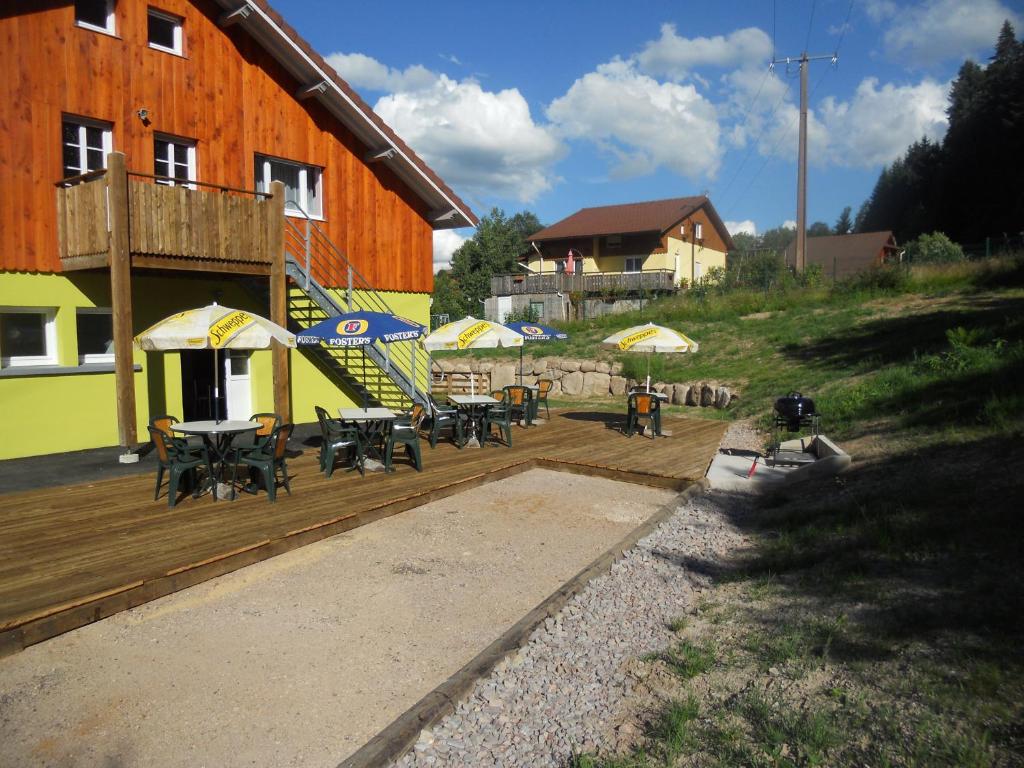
(445, 212)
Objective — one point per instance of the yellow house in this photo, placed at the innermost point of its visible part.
(678, 240)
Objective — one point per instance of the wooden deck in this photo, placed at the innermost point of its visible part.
(73, 555)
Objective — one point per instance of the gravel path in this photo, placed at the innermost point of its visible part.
(566, 690)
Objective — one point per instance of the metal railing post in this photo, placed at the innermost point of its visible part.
(350, 288)
(308, 251)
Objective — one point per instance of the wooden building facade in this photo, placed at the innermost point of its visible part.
(225, 99)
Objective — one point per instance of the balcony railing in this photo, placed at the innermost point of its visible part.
(594, 283)
(187, 225)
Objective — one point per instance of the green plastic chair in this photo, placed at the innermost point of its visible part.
(543, 388)
(267, 459)
(175, 457)
(499, 416)
(642, 405)
(518, 398)
(446, 418)
(406, 431)
(336, 437)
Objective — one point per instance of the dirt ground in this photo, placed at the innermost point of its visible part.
(300, 659)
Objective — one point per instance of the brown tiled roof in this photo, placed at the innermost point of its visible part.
(844, 255)
(654, 216)
(361, 105)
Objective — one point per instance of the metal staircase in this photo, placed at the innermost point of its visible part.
(380, 374)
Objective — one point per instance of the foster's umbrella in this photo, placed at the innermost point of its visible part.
(213, 327)
(533, 332)
(360, 329)
(650, 338)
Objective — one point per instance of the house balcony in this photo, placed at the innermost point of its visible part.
(200, 227)
(599, 283)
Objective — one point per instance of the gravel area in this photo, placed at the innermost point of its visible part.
(568, 689)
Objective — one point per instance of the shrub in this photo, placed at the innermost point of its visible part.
(935, 248)
(526, 314)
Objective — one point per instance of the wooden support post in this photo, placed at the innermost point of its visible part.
(121, 299)
(278, 298)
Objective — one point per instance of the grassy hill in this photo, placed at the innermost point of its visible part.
(878, 619)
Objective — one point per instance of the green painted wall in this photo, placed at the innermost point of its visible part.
(36, 408)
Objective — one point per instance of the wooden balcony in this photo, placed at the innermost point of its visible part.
(601, 283)
(208, 228)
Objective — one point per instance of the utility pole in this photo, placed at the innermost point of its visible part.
(801, 173)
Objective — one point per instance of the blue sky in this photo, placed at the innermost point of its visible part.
(556, 106)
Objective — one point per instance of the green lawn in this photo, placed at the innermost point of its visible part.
(878, 619)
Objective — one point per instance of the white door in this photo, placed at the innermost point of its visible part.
(237, 384)
(504, 307)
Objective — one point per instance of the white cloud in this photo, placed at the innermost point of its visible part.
(932, 31)
(878, 123)
(480, 140)
(361, 71)
(676, 57)
(642, 123)
(446, 242)
(746, 226)
(789, 224)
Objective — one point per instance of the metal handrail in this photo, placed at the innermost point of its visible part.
(308, 244)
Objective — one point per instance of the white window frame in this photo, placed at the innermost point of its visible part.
(109, 29)
(91, 359)
(49, 336)
(264, 177)
(82, 123)
(639, 260)
(179, 34)
(190, 146)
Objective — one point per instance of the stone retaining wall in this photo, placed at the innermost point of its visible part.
(573, 378)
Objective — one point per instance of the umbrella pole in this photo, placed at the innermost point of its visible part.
(648, 371)
(216, 388)
(520, 366)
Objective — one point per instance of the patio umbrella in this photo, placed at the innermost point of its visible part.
(468, 333)
(359, 329)
(533, 332)
(650, 338)
(213, 327)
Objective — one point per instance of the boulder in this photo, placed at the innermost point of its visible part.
(722, 397)
(553, 373)
(596, 384)
(588, 365)
(540, 367)
(679, 394)
(707, 395)
(461, 366)
(659, 387)
(616, 369)
(503, 375)
(445, 364)
(617, 385)
(486, 366)
(603, 367)
(572, 383)
(529, 380)
(556, 388)
(693, 394)
(570, 365)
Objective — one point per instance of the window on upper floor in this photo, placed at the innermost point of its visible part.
(634, 263)
(175, 158)
(95, 14)
(28, 336)
(613, 241)
(301, 184)
(86, 144)
(165, 32)
(95, 335)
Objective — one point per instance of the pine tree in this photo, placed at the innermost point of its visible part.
(844, 224)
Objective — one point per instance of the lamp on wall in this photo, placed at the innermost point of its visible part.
(143, 114)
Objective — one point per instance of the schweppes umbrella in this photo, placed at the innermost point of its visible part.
(213, 327)
(650, 338)
(469, 332)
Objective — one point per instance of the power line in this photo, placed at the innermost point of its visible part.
(810, 25)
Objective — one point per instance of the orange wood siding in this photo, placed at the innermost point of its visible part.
(226, 93)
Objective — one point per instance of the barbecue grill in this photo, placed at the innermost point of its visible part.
(793, 413)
